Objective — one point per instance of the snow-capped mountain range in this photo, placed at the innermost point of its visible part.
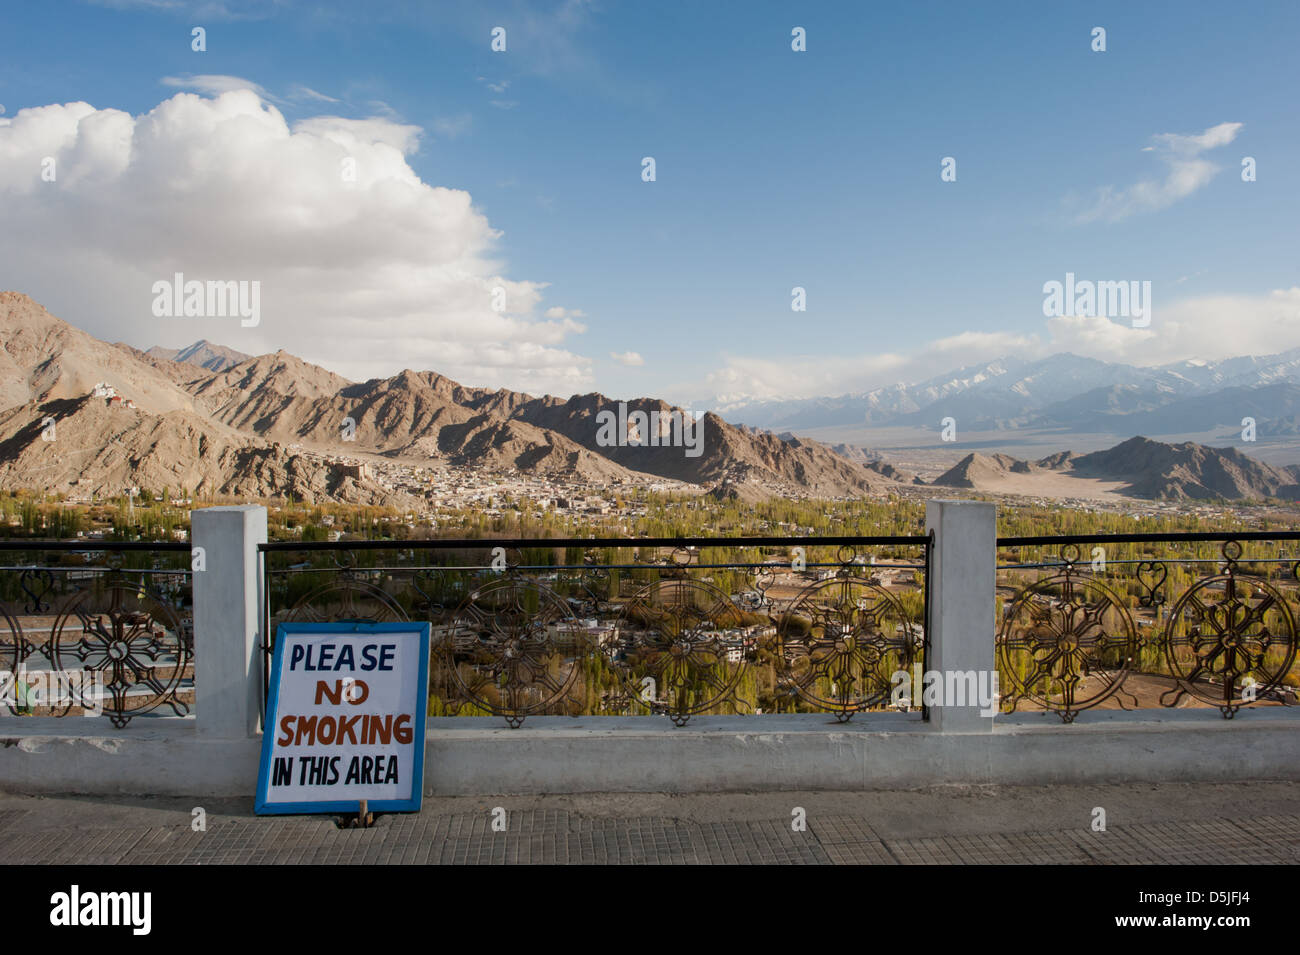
(1061, 391)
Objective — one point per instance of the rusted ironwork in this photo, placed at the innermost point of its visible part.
(655, 634)
(843, 639)
(136, 647)
(1230, 637)
(515, 649)
(683, 648)
(83, 632)
(1069, 641)
(1063, 630)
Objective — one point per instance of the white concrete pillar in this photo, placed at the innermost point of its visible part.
(963, 574)
(227, 619)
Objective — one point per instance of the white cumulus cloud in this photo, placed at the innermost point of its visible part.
(364, 267)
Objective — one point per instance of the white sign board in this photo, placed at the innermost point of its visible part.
(345, 718)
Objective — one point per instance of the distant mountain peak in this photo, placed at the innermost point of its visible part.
(202, 353)
(1062, 391)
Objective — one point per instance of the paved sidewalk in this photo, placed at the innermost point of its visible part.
(1244, 823)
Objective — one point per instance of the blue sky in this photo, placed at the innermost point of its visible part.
(775, 169)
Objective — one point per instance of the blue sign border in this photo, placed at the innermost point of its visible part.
(261, 806)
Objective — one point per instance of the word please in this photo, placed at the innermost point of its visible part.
(373, 657)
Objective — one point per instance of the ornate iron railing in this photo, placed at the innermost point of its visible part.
(678, 627)
(1193, 619)
(95, 627)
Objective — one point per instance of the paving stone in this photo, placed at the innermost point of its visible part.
(758, 843)
(835, 829)
(859, 853)
(1280, 835)
(924, 852)
(68, 846)
(1217, 842)
(1044, 848)
(564, 837)
(1118, 845)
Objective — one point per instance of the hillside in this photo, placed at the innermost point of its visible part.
(977, 471)
(212, 419)
(43, 358)
(1138, 467)
(100, 450)
(202, 353)
(1188, 471)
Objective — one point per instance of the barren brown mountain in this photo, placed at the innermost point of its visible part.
(214, 421)
(1138, 467)
(202, 353)
(1189, 471)
(274, 425)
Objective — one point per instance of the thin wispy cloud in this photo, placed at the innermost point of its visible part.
(551, 37)
(207, 9)
(380, 108)
(1186, 172)
(568, 315)
(306, 92)
(498, 88)
(350, 133)
(214, 84)
(629, 358)
(555, 41)
(451, 127)
(805, 376)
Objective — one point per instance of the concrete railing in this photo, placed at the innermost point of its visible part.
(215, 751)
